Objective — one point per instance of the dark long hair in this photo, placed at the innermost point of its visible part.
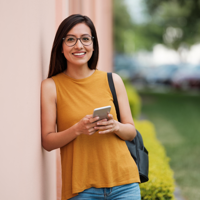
(58, 62)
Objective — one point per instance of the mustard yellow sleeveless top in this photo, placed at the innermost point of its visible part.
(99, 160)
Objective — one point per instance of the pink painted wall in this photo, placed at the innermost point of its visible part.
(27, 31)
(28, 28)
(100, 11)
(62, 11)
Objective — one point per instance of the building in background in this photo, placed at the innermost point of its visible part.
(28, 28)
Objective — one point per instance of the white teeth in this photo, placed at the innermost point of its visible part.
(79, 54)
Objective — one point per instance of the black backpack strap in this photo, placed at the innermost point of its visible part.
(141, 158)
(112, 88)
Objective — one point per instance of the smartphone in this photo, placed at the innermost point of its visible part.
(102, 112)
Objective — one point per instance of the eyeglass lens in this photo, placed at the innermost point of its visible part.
(71, 40)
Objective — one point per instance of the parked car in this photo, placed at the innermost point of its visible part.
(187, 78)
(162, 74)
(126, 66)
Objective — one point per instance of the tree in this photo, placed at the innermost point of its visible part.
(174, 23)
(129, 36)
(179, 19)
(122, 27)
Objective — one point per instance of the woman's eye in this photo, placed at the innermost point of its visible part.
(70, 39)
(85, 38)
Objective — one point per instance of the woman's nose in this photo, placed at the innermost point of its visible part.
(78, 44)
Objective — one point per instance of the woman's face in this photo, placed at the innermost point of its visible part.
(78, 54)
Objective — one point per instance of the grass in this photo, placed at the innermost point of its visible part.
(177, 121)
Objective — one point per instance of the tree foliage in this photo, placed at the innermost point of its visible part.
(128, 36)
(179, 19)
(174, 23)
(122, 26)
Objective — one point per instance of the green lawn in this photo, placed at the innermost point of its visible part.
(177, 121)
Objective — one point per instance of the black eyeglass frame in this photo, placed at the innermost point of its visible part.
(80, 41)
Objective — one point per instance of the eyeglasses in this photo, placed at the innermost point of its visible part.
(70, 40)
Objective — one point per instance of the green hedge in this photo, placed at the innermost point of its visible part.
(134, 99)
(161, 182)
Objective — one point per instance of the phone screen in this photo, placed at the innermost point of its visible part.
(102, 112)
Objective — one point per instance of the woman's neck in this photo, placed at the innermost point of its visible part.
(78, 72)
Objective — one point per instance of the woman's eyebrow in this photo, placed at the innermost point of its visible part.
(75, 36)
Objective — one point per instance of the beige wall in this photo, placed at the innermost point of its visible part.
(27, 32)
(27, 29)
(100, 11)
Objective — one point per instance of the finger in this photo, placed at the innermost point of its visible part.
(104, 122)
(85, 120)
(106, 131)
(89, 116)
(92, 131)
(90, 126)
(110, 116)
(92, 120)
(101, 121)
(109, 127)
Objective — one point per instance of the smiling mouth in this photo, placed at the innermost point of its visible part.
(78, 54)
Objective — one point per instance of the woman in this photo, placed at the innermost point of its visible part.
(96, 163)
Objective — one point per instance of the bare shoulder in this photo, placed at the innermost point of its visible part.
(118, 82)
(116, 77)
(48, 88)
(46, 83)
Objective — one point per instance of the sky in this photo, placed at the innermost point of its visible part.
(135, 8)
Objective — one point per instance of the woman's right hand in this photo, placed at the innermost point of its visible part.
(86, 125)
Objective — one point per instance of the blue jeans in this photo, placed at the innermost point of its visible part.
(122, 192)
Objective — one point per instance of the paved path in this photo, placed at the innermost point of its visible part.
(177, 194)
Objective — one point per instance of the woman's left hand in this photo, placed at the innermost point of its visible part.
(107, 125)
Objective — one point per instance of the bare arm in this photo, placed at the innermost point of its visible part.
(126, 129)
(50, 138)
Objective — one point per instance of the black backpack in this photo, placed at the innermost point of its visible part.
(136, 146)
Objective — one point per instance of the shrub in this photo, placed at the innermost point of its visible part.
(161, 183)
(134, 100)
